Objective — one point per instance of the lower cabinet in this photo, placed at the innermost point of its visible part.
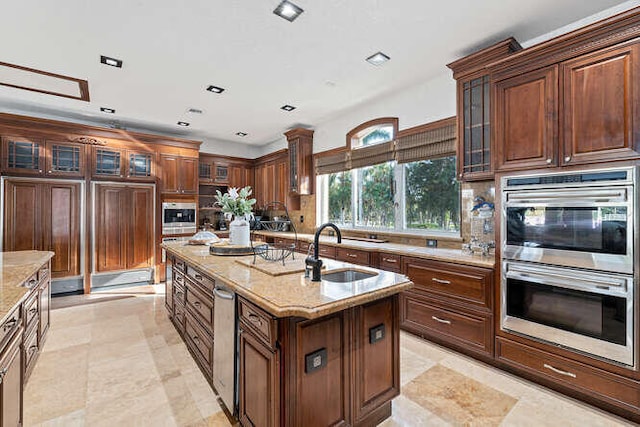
(11, 382)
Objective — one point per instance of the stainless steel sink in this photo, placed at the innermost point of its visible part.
(349, 275)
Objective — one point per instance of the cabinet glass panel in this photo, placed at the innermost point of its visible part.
(23, 155)
(293, 166)
(222, 173)
(476, 125)
(107, 162)
(204, 171)
(139, 165)
(65, 158)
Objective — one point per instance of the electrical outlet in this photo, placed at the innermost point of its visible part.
(301, 219)
(432, 243)
(373, 236)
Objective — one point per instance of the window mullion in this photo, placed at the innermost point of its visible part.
(398, 198)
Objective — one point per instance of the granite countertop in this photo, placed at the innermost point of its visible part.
(448, 255)
(15, 269)
(292, 294)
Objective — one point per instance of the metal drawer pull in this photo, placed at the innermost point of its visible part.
(33, 310)
(10, 324)
(198, 277)
(559, 371)
(195, 339)
(437, 319)
(33, 349)
(32, 283)
(196, 304)
(444, 282)
(390, 260)
(255, 319)
(352, 255)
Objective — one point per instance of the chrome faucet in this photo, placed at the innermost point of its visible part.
(314, 262)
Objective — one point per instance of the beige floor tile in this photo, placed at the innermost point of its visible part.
(406, 413)
(72, 419)
(423, 348)
(412, 365)
(68, 337)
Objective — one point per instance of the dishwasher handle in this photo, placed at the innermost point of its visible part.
(223, 293)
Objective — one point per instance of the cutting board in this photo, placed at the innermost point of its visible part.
(275, 268)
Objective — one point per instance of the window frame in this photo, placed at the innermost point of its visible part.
(353, 133)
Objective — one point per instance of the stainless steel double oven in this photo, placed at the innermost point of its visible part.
(569, 261)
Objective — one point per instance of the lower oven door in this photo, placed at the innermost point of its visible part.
(589, 312)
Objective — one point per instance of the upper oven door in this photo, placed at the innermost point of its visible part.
(588, 227)
(178, 214)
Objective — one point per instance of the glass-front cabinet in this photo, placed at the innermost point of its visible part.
(108, 162)
(140, 166)
(65, 159)
(23, 155)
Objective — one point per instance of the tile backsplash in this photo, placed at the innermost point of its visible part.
(468, 192)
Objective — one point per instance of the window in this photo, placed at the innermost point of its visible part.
(367, 197)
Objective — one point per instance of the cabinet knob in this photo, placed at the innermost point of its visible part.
(39, 170)
(567, 159)
(120, 176)
(549, 161)
(49, 172)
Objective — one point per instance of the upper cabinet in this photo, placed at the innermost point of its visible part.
(32, 156)
(300, 168)
(213, 170)
(474, 100)
(600, 98)
(179, 174)
(119, 163)
(526, 118)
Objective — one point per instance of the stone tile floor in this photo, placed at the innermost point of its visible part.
(114, 359)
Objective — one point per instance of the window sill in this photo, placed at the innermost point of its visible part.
(426, 234)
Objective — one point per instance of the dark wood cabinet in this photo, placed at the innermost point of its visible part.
(526, 120)
(179, 174)
(474, 115)
(11, 382)
(65, 159)
(601, 106)
(241, 176)
(108, 162)
(451, 304)
(41, 215)
(140, 166)
(300, 164)
(23, 155)
(44, 294)
(124, 233)
(354, 256)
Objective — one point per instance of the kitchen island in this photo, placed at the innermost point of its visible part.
(310, 353)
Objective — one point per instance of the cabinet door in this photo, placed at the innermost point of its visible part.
(222, 173)
(108, 162)
(205, 171)
(169, 166)
(282, 181)
(249, 177)
(601, 97)
(111, 232)
(22, 216)
(23, 155)
(236, 176)
(188, 175)
(474, 128)
(140, 166)
(64, 159)
(168, 288)
(61, 227)
(11, 383)
(294, 186)
(45, 309)
(526, 120)
(140, 245)
(259, 383)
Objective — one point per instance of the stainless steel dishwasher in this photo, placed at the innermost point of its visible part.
(224, 347)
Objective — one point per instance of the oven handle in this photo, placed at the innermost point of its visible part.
(604, 285)
(600, 196)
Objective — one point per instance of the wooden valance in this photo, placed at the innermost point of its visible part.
(430, 143)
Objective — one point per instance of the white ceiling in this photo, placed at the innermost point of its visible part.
(172, 50)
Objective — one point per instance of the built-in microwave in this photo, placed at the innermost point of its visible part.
(178, 218)
(574, 219)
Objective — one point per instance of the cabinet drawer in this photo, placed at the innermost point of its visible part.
(31, 311)
(178, 264)
(584, 378)
(201, 306)
(179, 294)
(282, 241)
(32, 281)
(179, 317)
(353, 256)
(389, 262)
(472, 285)
(326, 251)
(303, 247)
(462, 328)
(259, 321)
(43, 273)
(200, 279)
(199, 342)
(10, 325)
(30, 351)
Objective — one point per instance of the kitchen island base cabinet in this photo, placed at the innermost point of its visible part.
(11, 381)
(341, 369)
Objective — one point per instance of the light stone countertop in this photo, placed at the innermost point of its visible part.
(446, 255)
(292, 294)
(15, 269)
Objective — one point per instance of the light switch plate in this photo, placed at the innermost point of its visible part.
(316, 360)
(432, 243)
(376, 334)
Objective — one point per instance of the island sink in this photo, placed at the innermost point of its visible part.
(349, 275)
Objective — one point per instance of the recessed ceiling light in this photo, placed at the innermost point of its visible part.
(183, 124)
(107, 110)
(215, 89)
(194, 111)
(111, 61)
(378, 58)
(288, 10)
(241, 134)
(288, 107)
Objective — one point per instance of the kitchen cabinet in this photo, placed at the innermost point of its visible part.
(23, 155)
(205, 170)
(44, 307)
(474, 102)
(140, 166)
(108, 162)
(241, 176)
(11, 382)
(179, 174)
(601, 106)
(265, 184)
(42, 215)
(300, 178)
(124, 233)
(354, 256)
(65, 159)
(526, 120)
(451, 304)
